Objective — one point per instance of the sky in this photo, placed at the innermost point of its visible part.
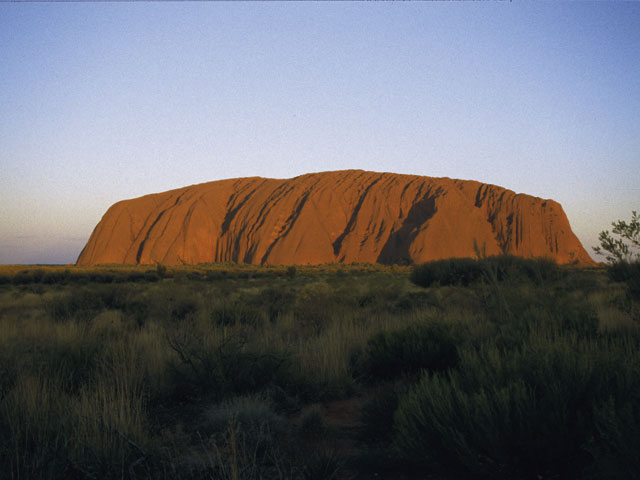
(100, 102)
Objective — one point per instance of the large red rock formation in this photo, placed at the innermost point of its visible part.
(346, 216)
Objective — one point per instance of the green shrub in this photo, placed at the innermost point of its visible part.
(441, 426)
(84, 303)
(161, 270)
(519, 414)
(101, 277)
(79, 304)
(577, 318)
(530, 312)
(28, 276)
(246, 438)
(114, 297)
(452, 271)
(627, 272)
(617, 441)
(409, 301)
(57, 277)
(32, 441)
(275, 301)
(184, 308)
(229, 370)
(72, 364)
(213, 275)
(466, 271)
(314, 305)
(430, 347)
(137, 276)
(138, 311)
(229, 314)
(518, 269)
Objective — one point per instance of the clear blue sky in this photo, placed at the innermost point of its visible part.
(102, 102)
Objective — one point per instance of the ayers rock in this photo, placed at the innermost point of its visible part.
(345, 216)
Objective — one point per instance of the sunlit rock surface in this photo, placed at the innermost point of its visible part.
(345, 216)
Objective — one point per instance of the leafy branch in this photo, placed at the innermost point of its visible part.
(626, 247)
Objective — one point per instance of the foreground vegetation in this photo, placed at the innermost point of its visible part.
(499, 368)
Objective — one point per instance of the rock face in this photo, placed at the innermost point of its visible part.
(346, 216)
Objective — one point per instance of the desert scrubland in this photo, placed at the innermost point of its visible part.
(497, 368)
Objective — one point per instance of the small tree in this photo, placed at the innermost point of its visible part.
(625, 248)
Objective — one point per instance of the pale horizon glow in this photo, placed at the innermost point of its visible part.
(102, 102)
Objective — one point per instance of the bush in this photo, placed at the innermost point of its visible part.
(84, 303)
(138, 311)
(248, 440)
(377, 294)
(452, 271)
(314, 304)
(577, 318)
(136, 276)
(28, 276)
(229, 314)
(430, 347)
(615, 451)
(79, 304)
(56, 277)
(522, 414)
(466, 271)
(101, 277)
(68, 364)
(518, 269)
(276, 301)
(409, 301)
(627, 272)
(184, 308)
(161, 270)
(224, 371)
